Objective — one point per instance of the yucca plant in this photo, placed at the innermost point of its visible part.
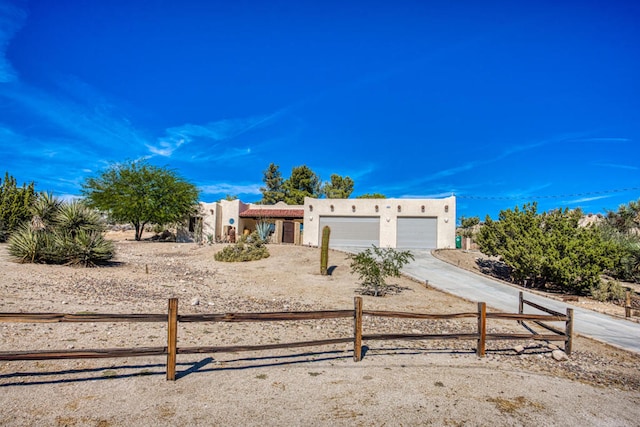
(43, 211)
(25, 244)
(61, 233)
(88, 248)
(74, 217)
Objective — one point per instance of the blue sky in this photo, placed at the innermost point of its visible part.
(499, 103)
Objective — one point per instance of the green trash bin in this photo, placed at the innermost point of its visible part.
(458, 242)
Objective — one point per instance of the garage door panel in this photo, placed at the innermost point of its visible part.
(352, 231)
(417, 233)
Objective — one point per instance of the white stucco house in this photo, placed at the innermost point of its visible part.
(233, 217)
(394, 223)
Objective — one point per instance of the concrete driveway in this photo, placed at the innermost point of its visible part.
(441, 275)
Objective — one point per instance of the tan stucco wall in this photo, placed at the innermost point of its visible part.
(387, 210)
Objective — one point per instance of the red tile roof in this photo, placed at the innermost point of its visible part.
(273, 213)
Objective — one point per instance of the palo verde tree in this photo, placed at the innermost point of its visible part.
(15, 204)
(338, 187)
(139, 193)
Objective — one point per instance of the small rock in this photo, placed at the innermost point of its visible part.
(416, 331)
(195, 301)
(518, 349)
(559, 355)
(553, 347)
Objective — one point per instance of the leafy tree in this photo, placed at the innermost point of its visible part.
(371, 196)
(272, 192)
(375, 264)
(302, 183)
(15, 203)
(231, 197)
(141, 194)
(338, 187)
(547, 249)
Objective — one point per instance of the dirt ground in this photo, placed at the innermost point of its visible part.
(396, 383)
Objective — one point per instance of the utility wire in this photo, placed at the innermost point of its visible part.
(558, 196)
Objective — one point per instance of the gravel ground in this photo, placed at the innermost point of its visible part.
(396, 383)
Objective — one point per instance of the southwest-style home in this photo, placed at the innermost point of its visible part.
(394, 223)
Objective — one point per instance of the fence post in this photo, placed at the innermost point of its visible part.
(569, 332)
(172, 338)
(627, 304)
(482, 328)
(520, 305)
(357, 329)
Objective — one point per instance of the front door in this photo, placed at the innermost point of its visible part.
(288, 233)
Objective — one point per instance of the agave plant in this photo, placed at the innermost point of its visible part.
(264, 229)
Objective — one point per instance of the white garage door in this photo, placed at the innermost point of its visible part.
(417, 233)
(351, 231)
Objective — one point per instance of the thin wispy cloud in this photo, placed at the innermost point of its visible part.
(224, 188)
(617, 166)
(603, 140)
(94, 124)
(209, 134)
(587, 199)
(11, 20)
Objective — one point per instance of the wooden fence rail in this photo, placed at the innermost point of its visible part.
(568, 319)
(172, 319)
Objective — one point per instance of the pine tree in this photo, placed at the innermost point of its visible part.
(272, 192)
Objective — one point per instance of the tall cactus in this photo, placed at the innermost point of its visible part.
(324, 251)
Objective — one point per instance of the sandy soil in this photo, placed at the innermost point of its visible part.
(397, 383)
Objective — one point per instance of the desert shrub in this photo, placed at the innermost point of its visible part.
(247, 248)
(374, 265)
(61, 233)
(548, 249)
(608, 290)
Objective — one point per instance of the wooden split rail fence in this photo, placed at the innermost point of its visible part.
(172, 318)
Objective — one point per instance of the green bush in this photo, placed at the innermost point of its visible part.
(548, 249)
(374, 265)
(247, 248)
(608, 290)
